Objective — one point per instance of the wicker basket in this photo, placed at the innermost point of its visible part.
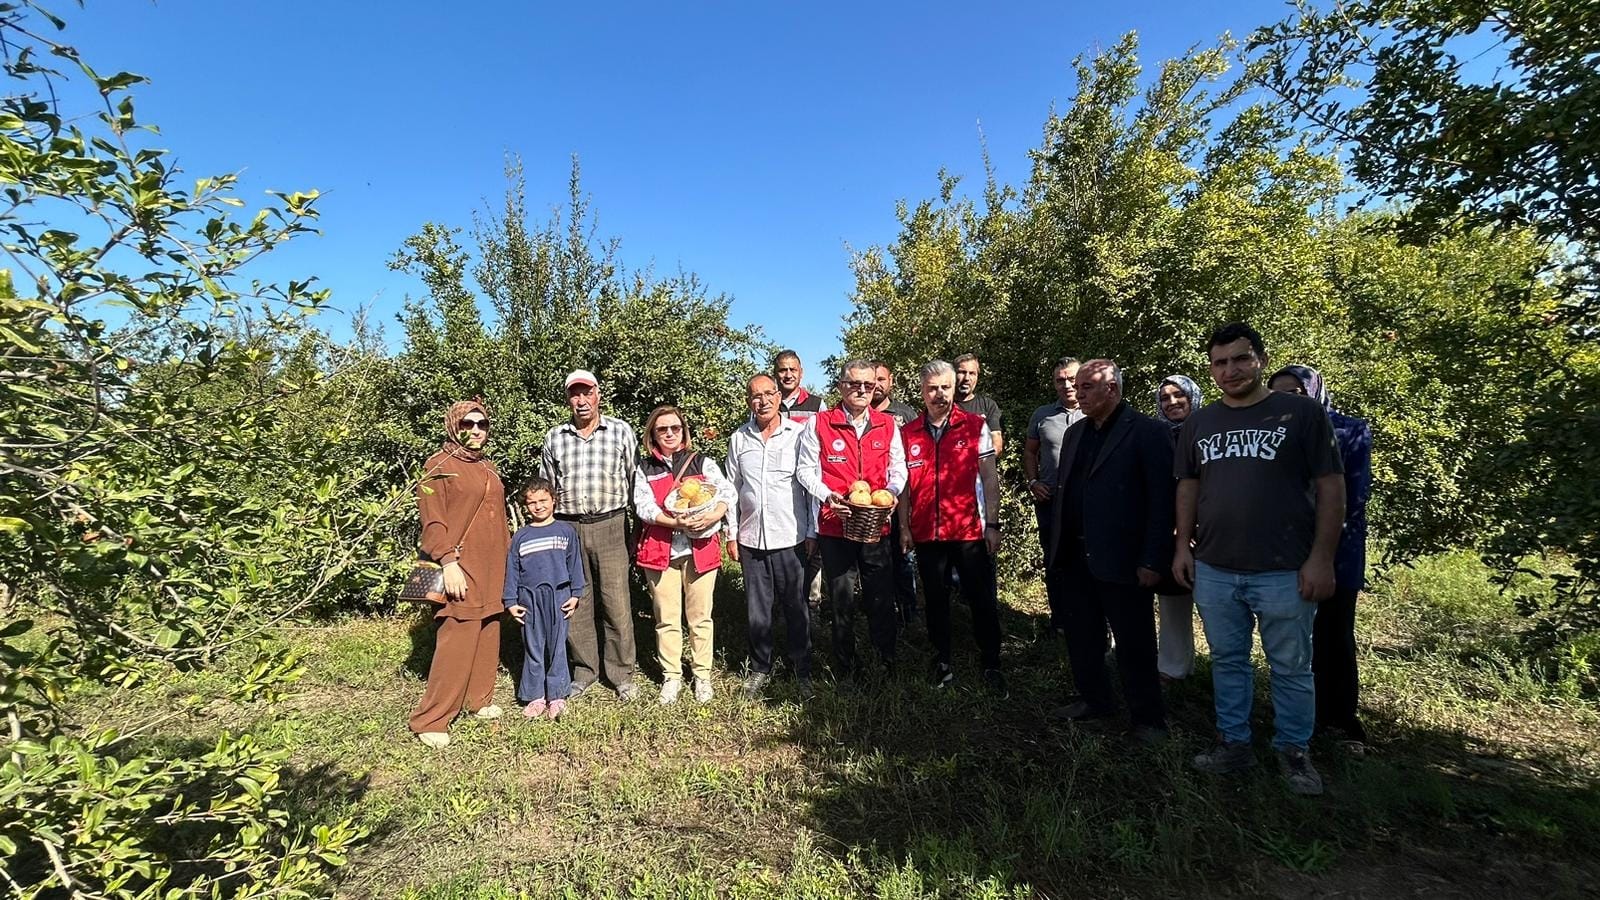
(672, 502)
(865, 524)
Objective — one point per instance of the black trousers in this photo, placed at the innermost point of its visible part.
(1333, 664)
(935, 560)
(1054, 591)
(773, 580)
(1090, 605)
(905, 575)
(842, 558)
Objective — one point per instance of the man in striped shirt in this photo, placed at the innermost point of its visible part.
(591, 461)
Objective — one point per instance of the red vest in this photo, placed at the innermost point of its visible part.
(942, 484)
(805, 406)
(847, 459)
(655, 541)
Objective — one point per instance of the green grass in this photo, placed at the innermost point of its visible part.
(896, 791)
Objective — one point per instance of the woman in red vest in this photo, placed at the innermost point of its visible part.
(680, 551)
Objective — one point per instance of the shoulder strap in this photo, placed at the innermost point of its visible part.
(688, 458)
(474, 517)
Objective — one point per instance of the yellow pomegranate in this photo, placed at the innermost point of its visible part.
(882, 498)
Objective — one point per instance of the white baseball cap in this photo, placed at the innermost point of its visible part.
(582, 376)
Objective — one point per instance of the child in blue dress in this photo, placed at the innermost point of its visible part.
(544, 577)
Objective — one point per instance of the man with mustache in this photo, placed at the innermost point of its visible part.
(775, 533)
(591, 460)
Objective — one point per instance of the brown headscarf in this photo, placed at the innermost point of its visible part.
(452, 429)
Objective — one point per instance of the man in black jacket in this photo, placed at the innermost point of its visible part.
(1113, 508)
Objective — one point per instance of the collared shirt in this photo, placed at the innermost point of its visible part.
(900, 412)
(646, 508)
(786, 405)
(809, 465)
(774, 511)
(591, 474)
(1048, 425)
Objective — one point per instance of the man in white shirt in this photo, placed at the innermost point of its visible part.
(854, 443)
(775, 533)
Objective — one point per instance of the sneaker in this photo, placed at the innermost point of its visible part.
(488, 712)
(628, 692)
(803, 687)
(995, 684)
(536, 709)
(702, 690)
(1295, 764)
(577, 689)
(436, 740)
(943, 676)
(1225, 758)
(1078, 711)
(754, 683)
(670, 689)
(556, 710)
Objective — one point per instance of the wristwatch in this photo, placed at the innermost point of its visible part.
(994, 525)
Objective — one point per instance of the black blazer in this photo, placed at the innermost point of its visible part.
(1128, 498)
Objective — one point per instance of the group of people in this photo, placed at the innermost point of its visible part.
(1250, 508)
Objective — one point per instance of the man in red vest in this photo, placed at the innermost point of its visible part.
(952, 517)
(854, 443)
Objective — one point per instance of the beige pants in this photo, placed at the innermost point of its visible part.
(679, 593)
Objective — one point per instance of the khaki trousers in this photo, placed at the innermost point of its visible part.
(679, 593)
(466, 658)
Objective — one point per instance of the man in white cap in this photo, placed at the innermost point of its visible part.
(591, 462)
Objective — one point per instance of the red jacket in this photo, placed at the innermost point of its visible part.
(655, 541)
(847, 459)
(942, 478)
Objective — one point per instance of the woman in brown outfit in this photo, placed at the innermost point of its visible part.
(462, 503)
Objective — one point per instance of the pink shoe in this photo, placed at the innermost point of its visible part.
(557, 707)
(536, 709)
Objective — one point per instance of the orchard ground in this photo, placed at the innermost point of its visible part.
(1483, 778)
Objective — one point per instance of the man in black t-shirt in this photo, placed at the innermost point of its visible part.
(1261, 496)
(970, 401)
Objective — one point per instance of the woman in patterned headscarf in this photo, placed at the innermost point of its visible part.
(462, 504)
(1177, 397)
(1333, 639)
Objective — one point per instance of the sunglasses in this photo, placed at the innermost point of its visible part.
(859, 387)
(668, 429)
(475, 424)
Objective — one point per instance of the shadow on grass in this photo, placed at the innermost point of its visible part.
(958, 793)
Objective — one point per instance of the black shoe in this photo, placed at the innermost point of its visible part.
(1149, 735)
(995, 684)
(943, 676)
(1078, 711)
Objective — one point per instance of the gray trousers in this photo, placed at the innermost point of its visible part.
(605, 577)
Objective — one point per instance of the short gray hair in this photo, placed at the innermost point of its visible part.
(854, 365)
(936, 367)
(1116, 370)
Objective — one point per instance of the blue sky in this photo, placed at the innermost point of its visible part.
(752, 143)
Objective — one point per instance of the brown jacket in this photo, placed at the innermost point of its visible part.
(449, 493)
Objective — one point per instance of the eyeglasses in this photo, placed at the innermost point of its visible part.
(475, 424)
(858, 387)
(668, 429)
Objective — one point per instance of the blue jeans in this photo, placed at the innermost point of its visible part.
(1231, 603)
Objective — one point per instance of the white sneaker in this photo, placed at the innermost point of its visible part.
(702, 690)
(670, 689)
(488, 712)
(436, 740)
